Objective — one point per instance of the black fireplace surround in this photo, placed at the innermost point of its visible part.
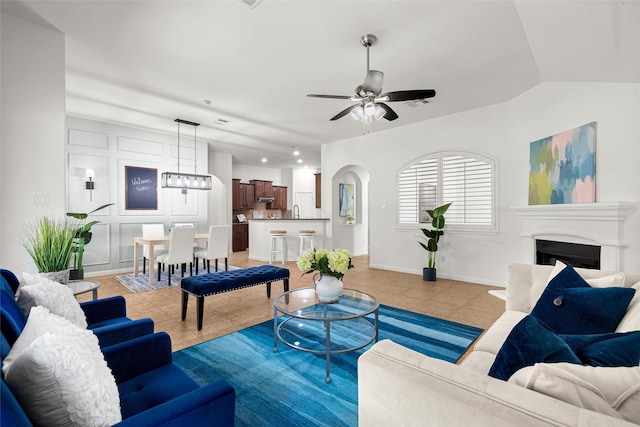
(576, 254)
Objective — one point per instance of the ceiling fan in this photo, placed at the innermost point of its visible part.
(370, 101)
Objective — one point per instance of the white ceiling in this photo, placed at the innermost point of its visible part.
(145, 63)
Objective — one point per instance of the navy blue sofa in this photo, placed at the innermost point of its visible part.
(107, 317)
(153, 390)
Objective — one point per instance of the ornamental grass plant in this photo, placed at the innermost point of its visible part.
(50, 242)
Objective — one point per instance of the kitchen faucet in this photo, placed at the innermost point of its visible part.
(296, 212)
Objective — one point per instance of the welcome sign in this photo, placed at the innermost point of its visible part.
(141, 191)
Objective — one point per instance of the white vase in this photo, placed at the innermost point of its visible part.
(328, 288)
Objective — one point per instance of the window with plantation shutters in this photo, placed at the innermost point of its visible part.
(465, 179)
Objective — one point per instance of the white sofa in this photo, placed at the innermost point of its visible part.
(398, 386)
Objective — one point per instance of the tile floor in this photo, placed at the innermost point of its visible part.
(462, 302)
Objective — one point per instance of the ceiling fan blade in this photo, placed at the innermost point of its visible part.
(373, 82)
(313, 95)
(344, 112)
(389, 113)
(408, 95)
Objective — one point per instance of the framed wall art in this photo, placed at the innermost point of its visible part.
(141, 188)
(346, 199)
(562, 167)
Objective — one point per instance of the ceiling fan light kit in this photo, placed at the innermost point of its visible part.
(371, 104)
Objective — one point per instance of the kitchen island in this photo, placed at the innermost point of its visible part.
(260, 235)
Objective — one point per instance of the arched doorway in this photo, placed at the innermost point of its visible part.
(353, 237)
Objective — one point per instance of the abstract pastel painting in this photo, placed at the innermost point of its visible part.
(346, 199)
(563, 167)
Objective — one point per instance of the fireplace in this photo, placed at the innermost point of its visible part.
(599, 225)
(576, 254)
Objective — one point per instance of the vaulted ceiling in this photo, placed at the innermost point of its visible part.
(145, 63)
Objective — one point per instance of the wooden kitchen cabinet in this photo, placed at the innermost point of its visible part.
(318, 189)
(243, 195)
(280, 196)
(240, 237)
(262, 188)
(249, 195)
(235, 190)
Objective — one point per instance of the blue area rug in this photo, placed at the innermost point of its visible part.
(141, 283)
(288, 389)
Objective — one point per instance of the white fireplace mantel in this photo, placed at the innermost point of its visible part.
(599, 224)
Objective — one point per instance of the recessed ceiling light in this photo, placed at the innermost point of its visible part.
(264, 160)
(299, 160)
(296, 152)
(221, 122)
(251, 3)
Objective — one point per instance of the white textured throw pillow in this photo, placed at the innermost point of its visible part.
(611, 391)
(65, 381)
(631, 319)
(615, 279)
(39, 322)
(59, 299)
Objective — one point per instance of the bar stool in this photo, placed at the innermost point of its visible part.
(307, 238)
(281, 237)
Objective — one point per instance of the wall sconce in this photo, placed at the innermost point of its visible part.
(89, 173)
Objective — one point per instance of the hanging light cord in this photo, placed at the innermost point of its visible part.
(178, 147)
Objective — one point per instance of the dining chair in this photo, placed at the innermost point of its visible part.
(180, 251)
(217, 248)
(152, 230)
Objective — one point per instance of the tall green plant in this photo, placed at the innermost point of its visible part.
(83, 235)
(49, 241)
(433, 236)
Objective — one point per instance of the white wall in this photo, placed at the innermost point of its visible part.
(221, 199)
(32, 155)
(109, 148)
(503, 131)
(248, 172)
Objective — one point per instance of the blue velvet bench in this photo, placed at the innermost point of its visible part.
(225, 281)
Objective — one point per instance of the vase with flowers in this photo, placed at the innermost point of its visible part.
(329, 268)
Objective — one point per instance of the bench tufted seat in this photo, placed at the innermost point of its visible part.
(225, 281)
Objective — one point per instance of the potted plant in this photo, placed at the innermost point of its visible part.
(82, 237)
(432, 236)
(330, 266)
(50, 242)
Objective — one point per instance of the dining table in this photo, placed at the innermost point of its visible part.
(138, 242)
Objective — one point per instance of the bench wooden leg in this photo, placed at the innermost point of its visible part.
(268, 289)
(200, 301)
(285, 283)
(185, 301)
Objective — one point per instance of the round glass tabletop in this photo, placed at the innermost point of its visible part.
(303, 304)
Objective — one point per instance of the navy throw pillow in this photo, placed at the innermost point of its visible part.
(528, 343)
(617, 349)
(569, 305)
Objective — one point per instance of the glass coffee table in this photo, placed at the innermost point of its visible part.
(81, 286)
(313, 327)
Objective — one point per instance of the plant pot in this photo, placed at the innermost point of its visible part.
(429, 274)
(57, 276)
(328, 289)
(76, 274)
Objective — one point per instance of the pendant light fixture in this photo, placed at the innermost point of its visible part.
(182, 180)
